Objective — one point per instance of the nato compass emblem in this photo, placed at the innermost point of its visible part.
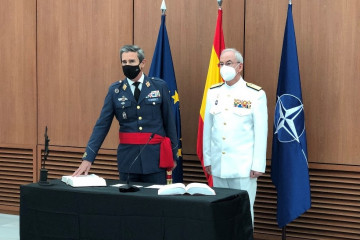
(289, 121)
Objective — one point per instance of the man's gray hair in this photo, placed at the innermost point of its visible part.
(238, 55)
(133, 48)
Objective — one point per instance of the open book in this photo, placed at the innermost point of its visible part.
(191, 188)
(91, 180)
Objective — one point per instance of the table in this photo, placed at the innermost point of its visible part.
(59, 211)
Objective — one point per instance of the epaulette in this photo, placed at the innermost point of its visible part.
(115, 83)
(216, 85)
(253, 86)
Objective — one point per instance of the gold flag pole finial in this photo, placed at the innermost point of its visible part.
(163, 7)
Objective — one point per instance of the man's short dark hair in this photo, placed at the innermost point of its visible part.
(133, 48)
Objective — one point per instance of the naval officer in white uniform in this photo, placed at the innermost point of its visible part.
(235, 129)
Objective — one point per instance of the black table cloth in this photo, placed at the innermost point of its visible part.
(60, 211)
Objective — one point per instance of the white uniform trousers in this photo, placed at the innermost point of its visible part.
(248, 184)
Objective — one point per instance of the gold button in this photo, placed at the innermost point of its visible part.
(138, 107)
(226, 109)
(223, 152)
(154, 103)
(224, 138)
(224, 123)
(140, 118)
(140, 128)
(229, 95)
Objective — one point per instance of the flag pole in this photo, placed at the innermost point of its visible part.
(163, 7)
(283, 236)
(283, 233)
(169, 179)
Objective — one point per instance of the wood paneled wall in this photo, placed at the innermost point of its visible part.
(78, 59)
(58, 58)
(18, 121)
(327, 37)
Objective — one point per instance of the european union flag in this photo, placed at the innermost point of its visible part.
(289, 164)
(162, 67)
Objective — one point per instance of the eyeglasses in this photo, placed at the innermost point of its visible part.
(228, 64)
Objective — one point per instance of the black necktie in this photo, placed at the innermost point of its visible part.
(137, 90)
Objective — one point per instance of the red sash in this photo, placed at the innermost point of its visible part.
(166, 156)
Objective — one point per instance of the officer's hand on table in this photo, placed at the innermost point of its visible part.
(208, 169)
(255, 174)
(83, 168)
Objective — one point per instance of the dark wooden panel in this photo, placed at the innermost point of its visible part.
(191, 27)
(16, 168)
(78, 59)
(65, 160)
(18, 72)
(333, 213)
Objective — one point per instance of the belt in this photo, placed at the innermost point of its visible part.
(166, 156)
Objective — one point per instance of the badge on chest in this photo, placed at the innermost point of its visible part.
(242, 103)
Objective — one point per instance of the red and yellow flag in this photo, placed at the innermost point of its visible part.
(212, 78)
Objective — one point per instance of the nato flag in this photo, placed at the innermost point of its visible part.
(289, 164)
(162, 67)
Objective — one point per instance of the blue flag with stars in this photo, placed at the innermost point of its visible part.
(289, 161)
(162, 67)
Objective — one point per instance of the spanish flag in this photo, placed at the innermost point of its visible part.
(212, 78)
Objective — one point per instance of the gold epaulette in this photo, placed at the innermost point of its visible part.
(216, 85)
(253, 86)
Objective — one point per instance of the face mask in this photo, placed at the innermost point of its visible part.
(227, 73)
(131, 72)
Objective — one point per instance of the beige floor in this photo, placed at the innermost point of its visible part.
(9, 227)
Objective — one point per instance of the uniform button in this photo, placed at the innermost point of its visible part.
(229, 95)
(224, 123)
(226, 109)
(140, 118)
(224, 138)
(138, 107)
(154, 103)
(223, 152)
(140, 128)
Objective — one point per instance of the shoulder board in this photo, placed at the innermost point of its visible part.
(115, 83)
(216, 85)
(156, 79)
(253, 86)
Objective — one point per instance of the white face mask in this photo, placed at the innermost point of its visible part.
(227, 73)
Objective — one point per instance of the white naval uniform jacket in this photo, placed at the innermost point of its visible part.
(235, 130)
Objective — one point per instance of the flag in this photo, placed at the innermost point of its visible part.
(289, 164)
(213, 77)
(162, 67)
